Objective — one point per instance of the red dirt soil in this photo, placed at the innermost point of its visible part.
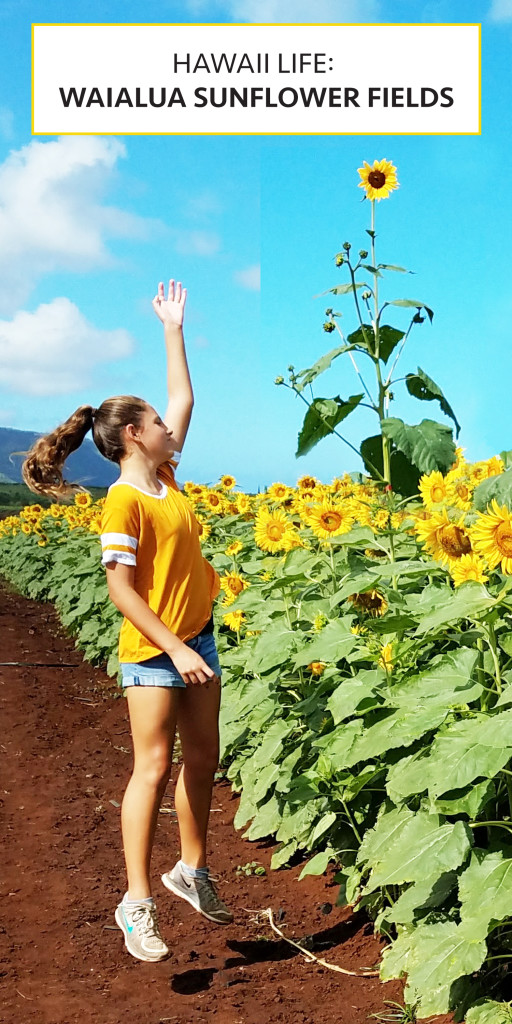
(66, 757)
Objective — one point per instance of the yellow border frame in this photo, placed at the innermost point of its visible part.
(263, 24)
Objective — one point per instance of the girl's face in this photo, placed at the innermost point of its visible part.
(154, 436)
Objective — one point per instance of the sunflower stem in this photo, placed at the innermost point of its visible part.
(383, 391)
(481, 673)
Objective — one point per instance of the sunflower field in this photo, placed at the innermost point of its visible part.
(365, 635)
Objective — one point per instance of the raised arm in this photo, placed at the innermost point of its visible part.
(170, 311)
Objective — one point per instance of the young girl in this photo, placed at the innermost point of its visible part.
(159, 580)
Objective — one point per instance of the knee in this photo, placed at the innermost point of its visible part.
(155, 767)
(203, 762)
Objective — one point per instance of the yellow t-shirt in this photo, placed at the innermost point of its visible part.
(159, 535)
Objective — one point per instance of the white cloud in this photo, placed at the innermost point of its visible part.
(55, 350)
(249, 278)
(501, 10)
(51, 212)
(293, 11)
(196, 243)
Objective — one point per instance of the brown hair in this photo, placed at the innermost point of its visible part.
(42, 468)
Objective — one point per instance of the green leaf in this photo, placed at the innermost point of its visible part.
(283, 854)
(433, 956)
(363, 337)
(428, 445)
(487, 1011)
(322, 418)
(485, 890)
(344, 289)
(404, 476)
(266, 821)
(392, 266)
(387, 832)
(467, 602)
(272, 648)
(498, 487)
(447, 681)
(412, 302)
(389, 337)
(354, 694)
(468, 801)
(309, 375)
(332, 643)
(399, 729)
(423, 387)
(430, 892)
(426, 849)
(317, 865)
(473, 748)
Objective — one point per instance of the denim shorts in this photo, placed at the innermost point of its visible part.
(161, 670)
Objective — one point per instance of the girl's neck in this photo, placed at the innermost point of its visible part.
(138, 471)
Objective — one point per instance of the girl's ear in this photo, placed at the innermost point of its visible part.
(131, 432)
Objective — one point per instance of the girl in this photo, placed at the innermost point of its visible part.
(163, 586)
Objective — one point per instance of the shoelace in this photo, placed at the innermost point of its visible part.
(146, 919)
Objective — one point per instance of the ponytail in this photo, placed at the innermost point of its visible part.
(42, 468)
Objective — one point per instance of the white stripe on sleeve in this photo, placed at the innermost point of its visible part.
(119, 538)
(118, 556)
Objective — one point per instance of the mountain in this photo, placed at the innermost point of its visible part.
(85, 466)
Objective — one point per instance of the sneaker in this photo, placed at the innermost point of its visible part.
(141, 935)
(200, 893)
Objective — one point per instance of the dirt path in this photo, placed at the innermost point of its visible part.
(66, 758)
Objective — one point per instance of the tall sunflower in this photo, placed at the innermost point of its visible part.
(370, 601)
(443, 538)
(378, 181)
(468, 567)
(329, 520)
(433, 488)
(271, 529)
(491, 536)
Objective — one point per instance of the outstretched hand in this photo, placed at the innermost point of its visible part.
(170, 310)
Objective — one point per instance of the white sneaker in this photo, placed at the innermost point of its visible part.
(141, 934)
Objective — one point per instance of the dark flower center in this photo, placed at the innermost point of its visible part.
(376, 179)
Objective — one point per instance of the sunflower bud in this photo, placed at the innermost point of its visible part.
(347, 246)
(291, 368)
(366, 296)
(339, 259)
(329, 326)
(328, 312)
(363, 254)
(279, 380)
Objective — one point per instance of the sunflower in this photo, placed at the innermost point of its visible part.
(317, 667)
(380, 519)
(444, 539)
(270, 529)
(83, 499)
(492, 536)
(193, 490)
(26, 528)
(204, 529)
(214, 500)
(43, 541)
(232, 584)
(234, 619)
(307, 483)
(433, 488)
(459, 489)
(379, 180)
(320, 620)
(468, 567)
(495, 466)
(386, 657)
(370, 601)
(243, 503)
(234, 548)
(227, 482)
(329, 520)
(278, 492)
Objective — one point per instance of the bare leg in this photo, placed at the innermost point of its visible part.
(153, 712)
(198, 726)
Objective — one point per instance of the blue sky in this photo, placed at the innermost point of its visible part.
(89, 225)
